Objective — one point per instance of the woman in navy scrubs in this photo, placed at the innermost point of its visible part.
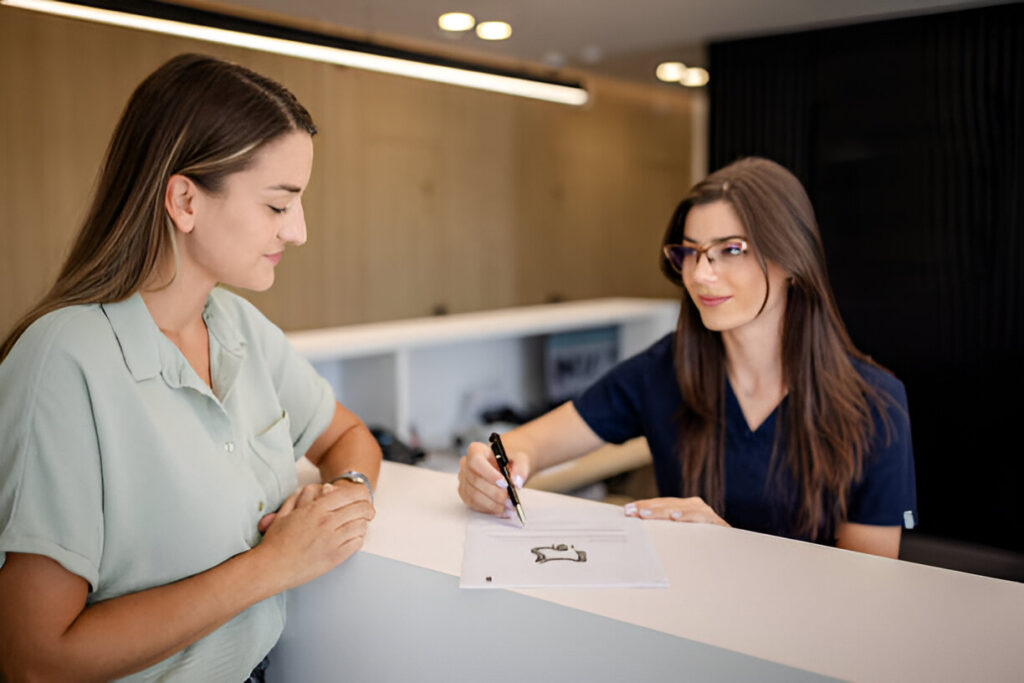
(759, 411)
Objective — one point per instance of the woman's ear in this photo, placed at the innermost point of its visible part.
(180, 202)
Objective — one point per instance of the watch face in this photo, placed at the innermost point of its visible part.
(359, 478)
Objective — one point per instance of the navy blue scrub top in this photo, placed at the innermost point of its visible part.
(640, 397)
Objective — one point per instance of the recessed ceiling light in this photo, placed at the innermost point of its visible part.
(695, 77)
(456, 21)
(493, 30)
(554, 59)
(670, 72)
(591, 54)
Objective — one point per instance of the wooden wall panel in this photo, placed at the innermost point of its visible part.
(597, 188)
(478, 268)
(422, 196)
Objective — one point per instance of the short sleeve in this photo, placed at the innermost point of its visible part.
(615, 406)
(50, 475)
(303, 393)
(887, 493)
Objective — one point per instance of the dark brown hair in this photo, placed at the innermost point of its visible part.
(828, 421)
(196, 116)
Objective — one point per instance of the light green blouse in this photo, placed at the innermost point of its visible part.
(118, 462)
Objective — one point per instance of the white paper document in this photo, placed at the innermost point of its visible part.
(594, 548)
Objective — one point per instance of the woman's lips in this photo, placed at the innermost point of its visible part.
(713, 301)
(275, 258)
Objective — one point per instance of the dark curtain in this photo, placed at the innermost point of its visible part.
(909, 136)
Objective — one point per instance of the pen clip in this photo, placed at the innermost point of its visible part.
(499, 450)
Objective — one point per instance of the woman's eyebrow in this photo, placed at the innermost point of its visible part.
(717, 239)
(285, 187)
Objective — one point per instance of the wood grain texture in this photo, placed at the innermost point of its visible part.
(423, 197)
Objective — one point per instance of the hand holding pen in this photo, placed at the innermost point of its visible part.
(483, 486)
(502, 458)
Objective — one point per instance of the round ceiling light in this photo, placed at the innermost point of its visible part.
(695, 77)
(493, 30)
(670, 72)
(456, 21)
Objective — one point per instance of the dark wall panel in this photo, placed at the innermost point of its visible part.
(909, 136)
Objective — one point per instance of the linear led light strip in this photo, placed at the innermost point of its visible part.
(551, 92)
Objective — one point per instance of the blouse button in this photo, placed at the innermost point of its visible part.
(259, 508)
(230, 446)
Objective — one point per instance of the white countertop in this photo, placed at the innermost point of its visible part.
(821, 609)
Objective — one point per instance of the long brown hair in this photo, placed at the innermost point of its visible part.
(828, 420)
(196, 116)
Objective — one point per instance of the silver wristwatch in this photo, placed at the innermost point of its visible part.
(358, 477)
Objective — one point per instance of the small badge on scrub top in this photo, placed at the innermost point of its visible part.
(908, 519)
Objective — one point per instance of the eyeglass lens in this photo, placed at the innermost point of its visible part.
(721, 254)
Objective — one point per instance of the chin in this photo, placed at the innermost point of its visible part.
(263, 286)
(253, 284)
(713, 325)
(719, 323)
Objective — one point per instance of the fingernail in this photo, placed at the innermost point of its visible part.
(508, 504)
(501, 483)
(518, 481)
(676, 514)
(630, 508)
(645, 513)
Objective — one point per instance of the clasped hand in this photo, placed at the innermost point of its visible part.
(317, 527)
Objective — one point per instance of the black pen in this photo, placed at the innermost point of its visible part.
(502, 458)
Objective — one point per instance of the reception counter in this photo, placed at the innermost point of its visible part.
(739, 606)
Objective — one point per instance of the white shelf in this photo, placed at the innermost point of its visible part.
(376, 338)
(432, 376)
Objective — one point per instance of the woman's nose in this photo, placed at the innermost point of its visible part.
(294, 230)
(703, 271)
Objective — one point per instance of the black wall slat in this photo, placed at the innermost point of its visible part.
(909, 136)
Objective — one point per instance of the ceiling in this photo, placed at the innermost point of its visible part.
(622, 38)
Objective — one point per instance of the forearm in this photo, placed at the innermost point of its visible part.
(355, 449)
(553, 438)
(123, 635)
(345, 445)
(867, 538)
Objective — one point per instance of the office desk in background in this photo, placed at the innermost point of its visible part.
(740, 606)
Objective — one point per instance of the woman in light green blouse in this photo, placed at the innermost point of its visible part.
(149, 510)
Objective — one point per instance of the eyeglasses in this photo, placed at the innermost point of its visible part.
(722, 253)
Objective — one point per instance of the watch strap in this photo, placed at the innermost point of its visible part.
(358, 477)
